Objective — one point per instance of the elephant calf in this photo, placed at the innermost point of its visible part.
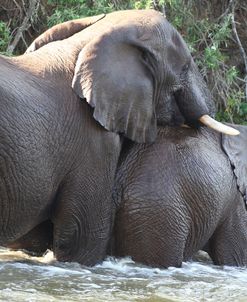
(180, 194)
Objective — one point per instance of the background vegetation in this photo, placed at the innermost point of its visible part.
(215, 30)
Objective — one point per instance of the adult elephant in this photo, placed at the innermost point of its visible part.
(185, 192)
(67, 103)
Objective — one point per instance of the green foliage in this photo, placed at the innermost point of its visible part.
(236, 109)
(213, 57)
(74, 9)
(210, 41)
(143, 4)
(4, 37)
(218, 35)
(222, 32)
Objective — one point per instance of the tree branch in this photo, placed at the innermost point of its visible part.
(26, 23)
(158, 7)
(234, 28)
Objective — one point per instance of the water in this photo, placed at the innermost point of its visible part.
(24, 278)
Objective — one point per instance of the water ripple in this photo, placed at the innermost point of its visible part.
(31, 279)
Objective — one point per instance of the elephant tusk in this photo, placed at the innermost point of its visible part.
(185, 126)
(211, 123)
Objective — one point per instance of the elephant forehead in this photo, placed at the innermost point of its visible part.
(143, 16)
(138, 27)
(149, 27)
(147, 22)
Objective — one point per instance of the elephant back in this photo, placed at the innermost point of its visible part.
(181, 161)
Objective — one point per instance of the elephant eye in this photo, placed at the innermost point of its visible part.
(144, 56)
(184, 73)
(147, 56)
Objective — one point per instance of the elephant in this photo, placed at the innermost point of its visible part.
(185, 192)
(36, 242)
(68, 104)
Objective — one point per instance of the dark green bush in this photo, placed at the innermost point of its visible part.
(4, 37)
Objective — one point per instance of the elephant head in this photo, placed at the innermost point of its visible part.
(136, 71)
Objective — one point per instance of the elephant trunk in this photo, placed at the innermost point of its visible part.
(195, 104)
(201, 115)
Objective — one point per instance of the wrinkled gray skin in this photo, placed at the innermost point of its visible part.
(63, 105)
(183, 193)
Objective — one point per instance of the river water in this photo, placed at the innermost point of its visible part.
(24, 278)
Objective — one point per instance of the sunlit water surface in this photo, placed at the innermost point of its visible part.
(24, 278)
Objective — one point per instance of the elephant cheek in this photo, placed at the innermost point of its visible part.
(170, 115)
(194, 99)
(167, 111)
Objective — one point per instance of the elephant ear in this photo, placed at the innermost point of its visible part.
(111, 73)
(62, 31)
(236, 149)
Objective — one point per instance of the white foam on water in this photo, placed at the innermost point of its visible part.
(26, 278)
(9, 255)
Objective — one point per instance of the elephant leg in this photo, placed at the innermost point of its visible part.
(35, 242)
(83, 211)
(145, 232)
(228, 245)
(82, 222)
